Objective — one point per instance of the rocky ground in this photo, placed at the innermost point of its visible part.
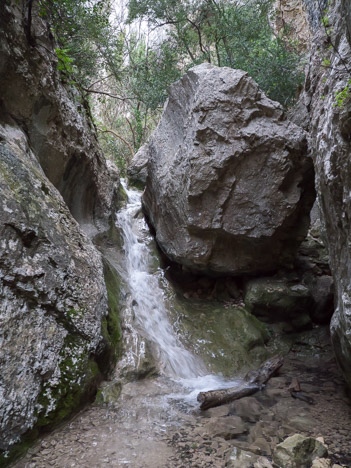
(146, 428)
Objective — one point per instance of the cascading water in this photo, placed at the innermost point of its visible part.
(149, 305)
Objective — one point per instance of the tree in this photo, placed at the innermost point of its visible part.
(228, 33)
(124, 68)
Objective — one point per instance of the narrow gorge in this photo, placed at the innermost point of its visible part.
(226, 244)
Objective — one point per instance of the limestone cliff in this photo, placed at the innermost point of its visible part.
(58, 333)
(53, 117)
(329, 124)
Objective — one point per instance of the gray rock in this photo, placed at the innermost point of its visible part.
(227, 428)
(347, 10)
(275, 300)
(137, 169)
(248, 408)
(54, 116)
(298, 451)
(330, 130)
(53, 296)
(241, 459)
(322, 289)
(55, 336)
(230, 185)
(322, 463)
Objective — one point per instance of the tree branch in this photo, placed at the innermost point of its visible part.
(87, 90)
(120, 137)
(99, 81)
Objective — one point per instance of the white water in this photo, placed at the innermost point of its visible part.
(149, 302)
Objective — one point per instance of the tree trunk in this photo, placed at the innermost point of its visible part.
(252, 382)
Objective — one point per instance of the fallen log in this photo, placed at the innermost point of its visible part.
(251, 384)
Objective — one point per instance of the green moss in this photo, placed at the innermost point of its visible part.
(136, 184)
(73, 313)
(78, 381)
(19, 449)
(110, 326)
(228, 339)
(122, 197)
(275, 300)
(109, 393)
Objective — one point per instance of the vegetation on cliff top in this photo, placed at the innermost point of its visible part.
(124, 56)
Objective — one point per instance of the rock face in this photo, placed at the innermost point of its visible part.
(275, 300)
(294, 14)
(58, 333)
(229, 184)
(137, 170)
(54, 118)
(330, 128)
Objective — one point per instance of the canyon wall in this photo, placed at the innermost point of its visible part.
(59, 331)
(324, 110)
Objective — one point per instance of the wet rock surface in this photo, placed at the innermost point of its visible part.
(220, 140)
(53, 296)
(228, 338)
(275, 300)
(147, 429)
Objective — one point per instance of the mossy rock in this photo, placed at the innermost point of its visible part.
(109, 393)
(110, 326)
(19, 449)
(122, 197)
(298, 451)
(137, 184)
(228, 339)
(274, 300)
(79, 377)
(79, 373)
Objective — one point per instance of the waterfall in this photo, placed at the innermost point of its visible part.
(149, 301)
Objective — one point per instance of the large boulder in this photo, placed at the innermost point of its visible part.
(276, 300)
(137, 169)
(53, 297)
(229, 185)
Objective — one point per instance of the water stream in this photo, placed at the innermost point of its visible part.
(149, 303)
(149, 312)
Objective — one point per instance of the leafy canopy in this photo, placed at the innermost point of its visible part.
(232, 33)
(124, 68)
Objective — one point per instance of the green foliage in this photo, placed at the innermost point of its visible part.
(133, 70)
(139, 128)
(226, 33)
(64, 61)
(343, 96)
(83, 32)
(115, 151)
(153, 71)
(325, 21)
